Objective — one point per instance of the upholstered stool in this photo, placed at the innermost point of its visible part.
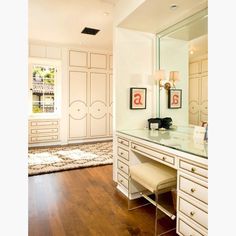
(158, 179)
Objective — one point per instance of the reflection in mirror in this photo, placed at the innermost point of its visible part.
(184, 48)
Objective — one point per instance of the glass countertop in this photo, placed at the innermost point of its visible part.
(179, 138)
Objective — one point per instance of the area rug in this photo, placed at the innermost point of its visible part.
(52, 159)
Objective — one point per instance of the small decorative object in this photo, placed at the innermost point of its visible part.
(138, 98)
(174, 98)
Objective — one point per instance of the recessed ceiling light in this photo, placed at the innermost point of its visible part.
(191, 52)
(105, 13)
(173, 7)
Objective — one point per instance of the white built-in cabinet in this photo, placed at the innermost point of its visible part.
(90, 95)
(198, 91)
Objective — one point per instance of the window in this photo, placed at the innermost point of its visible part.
(44, 94)
(43, 89)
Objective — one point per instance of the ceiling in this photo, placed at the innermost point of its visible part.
(160, 16)
(61, 21)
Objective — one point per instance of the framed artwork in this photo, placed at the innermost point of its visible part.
(138, 98)
(174, 98)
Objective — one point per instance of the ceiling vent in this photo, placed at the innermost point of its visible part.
(91, 31)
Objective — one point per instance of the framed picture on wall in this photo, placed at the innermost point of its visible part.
(174, 98)
(138, 97)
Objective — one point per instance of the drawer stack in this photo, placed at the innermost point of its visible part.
(122, 164)
(43, 131)
(192, 200)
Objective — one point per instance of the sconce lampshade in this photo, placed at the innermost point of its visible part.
(159, 75)
(174, 76)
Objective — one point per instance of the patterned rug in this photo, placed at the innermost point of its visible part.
(51, 159)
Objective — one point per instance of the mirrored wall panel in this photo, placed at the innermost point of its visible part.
(183, 61)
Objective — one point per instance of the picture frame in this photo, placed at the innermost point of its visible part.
(138, 97)
(175, 98)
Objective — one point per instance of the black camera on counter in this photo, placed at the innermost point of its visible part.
(157, 123)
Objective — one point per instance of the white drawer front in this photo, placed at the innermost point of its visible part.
(193, 212)
(44, 138)
(153, 153)
(123, 167)
(123, 153)
(43, 131)
(194, 189)
(186, 230)
(123, 141)
(122, 180)
(43, 123)
(192, 168)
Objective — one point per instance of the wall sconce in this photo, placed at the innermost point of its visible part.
(166, 84)
(174, 76)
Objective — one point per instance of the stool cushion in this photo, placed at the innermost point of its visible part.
(150, 175)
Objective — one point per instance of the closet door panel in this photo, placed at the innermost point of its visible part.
(204, 89)
(78, 58)
(98, 126)
(77, 127)
(110, 123)
(78, 111)
(98, 61)
(78, 86)
(98, 104)
(98, 89)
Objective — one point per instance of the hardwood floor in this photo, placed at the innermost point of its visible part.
(84, 202)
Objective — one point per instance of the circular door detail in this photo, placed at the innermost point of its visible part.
(193, 107)
(78, 110)
(204, 108)
(98, 110)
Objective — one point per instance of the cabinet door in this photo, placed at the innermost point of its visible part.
(110, 105)
(98, 104)
(78, 113)
(194, 100)
(195, 68)
(78, 58)
(98, 61)
(204, 99)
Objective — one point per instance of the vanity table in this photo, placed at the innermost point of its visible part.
(177, 149)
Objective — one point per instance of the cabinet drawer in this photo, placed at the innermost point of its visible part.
(123, 141)
(187, 230)
(122, 180)
(123, 153)
(44, 138)
(193, 212)
(193, 189)
(123, 167)
(192, 168)
(43, 123)
(154, 153)
(43, 131)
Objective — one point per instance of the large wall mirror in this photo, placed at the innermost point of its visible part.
(183, 47)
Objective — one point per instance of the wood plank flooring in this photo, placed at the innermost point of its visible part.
(84, 202)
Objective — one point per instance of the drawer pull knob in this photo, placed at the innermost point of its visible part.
(121, 142)
(135, 147)
(121, 181)
(193, 169)
(193, 190)
(163, 158)
(121, 167)
(121, 153)
(192, 213)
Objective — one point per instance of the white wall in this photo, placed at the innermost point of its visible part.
(124, 8)
(133, 52)
(174, 56)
